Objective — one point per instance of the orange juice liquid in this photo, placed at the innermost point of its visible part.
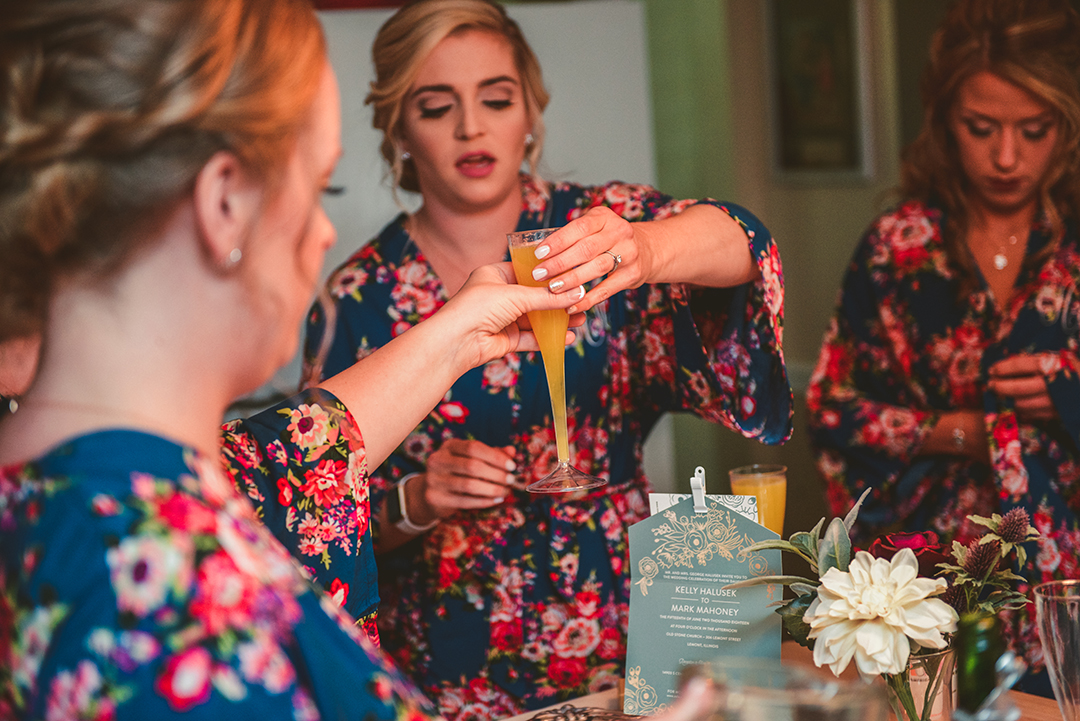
(771, 492)
(549, 327)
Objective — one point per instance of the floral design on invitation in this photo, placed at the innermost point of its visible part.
(639, 698)
(696, 539)
(648, 568)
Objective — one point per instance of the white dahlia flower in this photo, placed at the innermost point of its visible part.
(877, 613)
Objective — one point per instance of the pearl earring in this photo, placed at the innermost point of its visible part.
(528, 139)
(233, 259)
(406, 156)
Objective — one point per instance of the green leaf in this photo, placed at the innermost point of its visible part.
(834, 551)
(804, 589)
(792, 614)
(768, 545)
(849, 519)
(807, 544)
(990, 523)
(780, 544)
(959, 552)
(1009, 576)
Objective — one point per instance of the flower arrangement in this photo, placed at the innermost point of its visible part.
(897, 602)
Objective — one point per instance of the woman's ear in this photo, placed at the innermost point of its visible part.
(227, 205)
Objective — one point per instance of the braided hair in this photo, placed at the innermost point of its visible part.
(109, 109)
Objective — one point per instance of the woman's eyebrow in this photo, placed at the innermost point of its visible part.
(450, 88)
(432, 89)
(495, 81)
(975, 114)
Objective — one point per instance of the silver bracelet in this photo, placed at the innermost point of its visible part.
(405, 524)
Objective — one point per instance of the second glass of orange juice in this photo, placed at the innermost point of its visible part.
(769, 485)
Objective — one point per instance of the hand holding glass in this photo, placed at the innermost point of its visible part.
(549, 327)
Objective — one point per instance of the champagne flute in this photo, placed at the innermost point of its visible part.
(1057, 615)
(549, 327)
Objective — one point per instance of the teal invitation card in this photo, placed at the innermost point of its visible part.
(680, 612)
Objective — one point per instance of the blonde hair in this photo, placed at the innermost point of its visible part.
(404, 43)
(109, 109)
(1034, 44)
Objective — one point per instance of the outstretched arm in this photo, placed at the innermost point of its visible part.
(390, 391)
(702, 245)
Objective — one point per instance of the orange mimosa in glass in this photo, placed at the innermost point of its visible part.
(769, 485)
(549, 327)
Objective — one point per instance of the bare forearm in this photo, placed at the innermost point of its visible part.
(702, 245)
(393, 389)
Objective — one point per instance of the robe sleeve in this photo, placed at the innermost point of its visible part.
(1063, 384)
(303, 465)
(715, 352)
(866, 424)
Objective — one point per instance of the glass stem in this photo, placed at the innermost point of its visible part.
(555, 369)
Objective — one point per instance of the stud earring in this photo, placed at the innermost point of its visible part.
(406, 156)
(528, 139)
(233, 259)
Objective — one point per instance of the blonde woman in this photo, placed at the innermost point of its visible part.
(497, 601)
(158, 161)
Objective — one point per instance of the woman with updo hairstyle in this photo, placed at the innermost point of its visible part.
(405, 42)
(496, 600)
(161, 169)
(947, 380)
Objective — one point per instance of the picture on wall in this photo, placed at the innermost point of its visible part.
(818, 94)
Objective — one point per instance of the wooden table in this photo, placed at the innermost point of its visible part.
(1031, 707)
(1035, 708)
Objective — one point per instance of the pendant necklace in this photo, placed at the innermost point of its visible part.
(1000, 259)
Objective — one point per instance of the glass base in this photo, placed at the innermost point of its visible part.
(564, 479)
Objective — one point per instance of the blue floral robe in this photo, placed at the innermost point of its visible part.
(136, 583)
(515, 607)
(901, 350)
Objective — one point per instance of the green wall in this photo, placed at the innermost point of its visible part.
(691, 88)
(694, 136)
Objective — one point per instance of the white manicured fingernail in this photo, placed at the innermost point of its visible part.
(510, 480)
(580, 293)
(539, 273)
(555, 285)
(511, 466)
(542, 252)
(497, 500)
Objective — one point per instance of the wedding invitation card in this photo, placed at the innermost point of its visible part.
(680, 612)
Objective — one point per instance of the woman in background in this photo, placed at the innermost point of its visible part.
(161, 167)
(947, 381)
(503, 601)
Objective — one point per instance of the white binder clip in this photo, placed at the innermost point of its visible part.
(697, 487)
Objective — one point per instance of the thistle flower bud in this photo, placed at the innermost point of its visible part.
(1014, 526)
(981, 558)
(955, 598)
